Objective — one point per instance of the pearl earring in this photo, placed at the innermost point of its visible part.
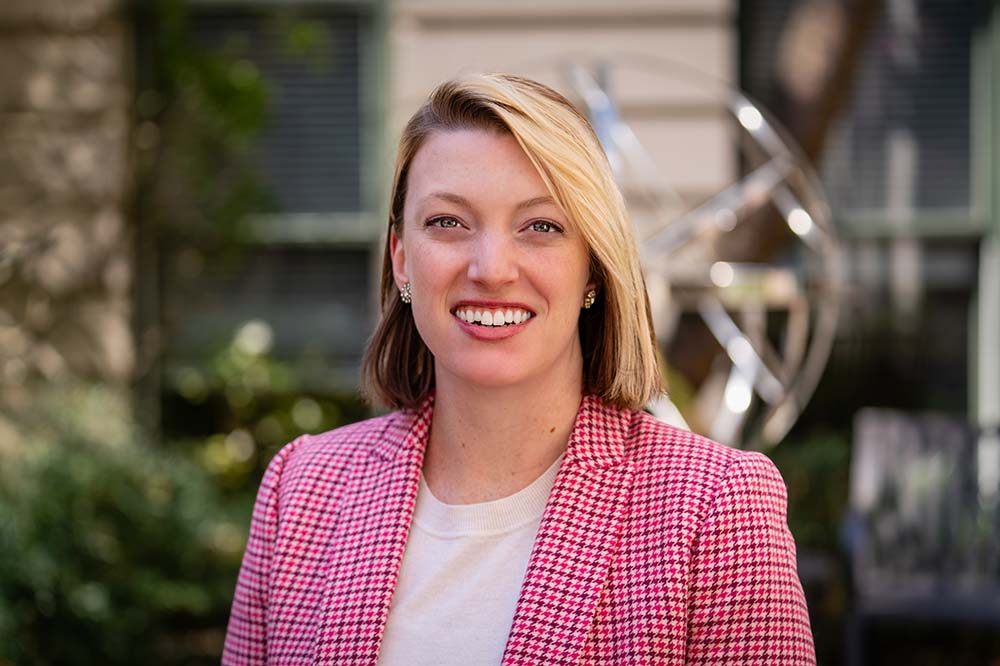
(406, 293)
(588, 300)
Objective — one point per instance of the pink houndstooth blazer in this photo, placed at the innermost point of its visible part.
(657, 546)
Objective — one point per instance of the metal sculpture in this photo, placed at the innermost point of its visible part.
(773, 322)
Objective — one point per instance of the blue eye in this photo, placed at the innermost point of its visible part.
(545, 227)
(445, 222)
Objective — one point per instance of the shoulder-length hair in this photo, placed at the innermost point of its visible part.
(620, 362)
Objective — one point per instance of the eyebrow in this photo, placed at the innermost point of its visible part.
(462, 201)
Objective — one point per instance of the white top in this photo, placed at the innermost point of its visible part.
(461, 576)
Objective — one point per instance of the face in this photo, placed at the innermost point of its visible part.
(497, 270)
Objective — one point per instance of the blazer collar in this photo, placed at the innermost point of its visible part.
(407, 431)
(597, 440)
(576, 541)
(569, 562)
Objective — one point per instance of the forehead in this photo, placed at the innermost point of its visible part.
(473, 163)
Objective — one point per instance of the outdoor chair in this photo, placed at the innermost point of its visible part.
(921, 532)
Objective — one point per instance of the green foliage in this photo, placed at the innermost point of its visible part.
(243, 404)
(815, 470)
(203, 108)
(111, 551)
(199, 113)
(308, 40)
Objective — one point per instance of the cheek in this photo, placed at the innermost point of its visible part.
(434, 266)
(562, 274)
(430, 324)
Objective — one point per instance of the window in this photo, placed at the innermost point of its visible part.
(311, 152)
(901, 143)
(306, 269)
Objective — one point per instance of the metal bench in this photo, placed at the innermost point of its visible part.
(922, 532)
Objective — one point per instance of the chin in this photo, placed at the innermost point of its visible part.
(485, 373)
(492, 377)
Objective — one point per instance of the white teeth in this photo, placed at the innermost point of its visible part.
(493, 317)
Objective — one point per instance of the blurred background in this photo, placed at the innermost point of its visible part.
(192, 206)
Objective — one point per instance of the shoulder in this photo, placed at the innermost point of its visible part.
(328, 455)
(663, 453)
(652, 444)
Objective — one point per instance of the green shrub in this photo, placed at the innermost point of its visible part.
(111, 550)
(815, 469)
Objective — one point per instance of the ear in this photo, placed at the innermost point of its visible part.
(593, 282)
(398, 257)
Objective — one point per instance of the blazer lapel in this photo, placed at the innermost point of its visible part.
(576, 542)
(369, 540)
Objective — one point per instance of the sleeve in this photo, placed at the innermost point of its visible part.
(746, 604)
(246, 635)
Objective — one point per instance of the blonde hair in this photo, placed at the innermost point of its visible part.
(619, 347)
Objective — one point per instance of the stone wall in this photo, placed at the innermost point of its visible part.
(65, 240)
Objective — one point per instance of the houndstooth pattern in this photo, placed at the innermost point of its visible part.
(657, 546)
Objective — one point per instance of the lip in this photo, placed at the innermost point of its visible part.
(495, 305)
(491, 333)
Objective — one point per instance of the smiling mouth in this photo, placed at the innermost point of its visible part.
(493, 317)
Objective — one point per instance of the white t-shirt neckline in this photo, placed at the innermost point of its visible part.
(493, 518)
(461, 576)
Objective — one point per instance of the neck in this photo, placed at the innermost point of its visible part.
(490, 442)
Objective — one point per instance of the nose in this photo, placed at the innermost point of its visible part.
(493, 262)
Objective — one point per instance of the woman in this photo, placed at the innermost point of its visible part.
(518, 508)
